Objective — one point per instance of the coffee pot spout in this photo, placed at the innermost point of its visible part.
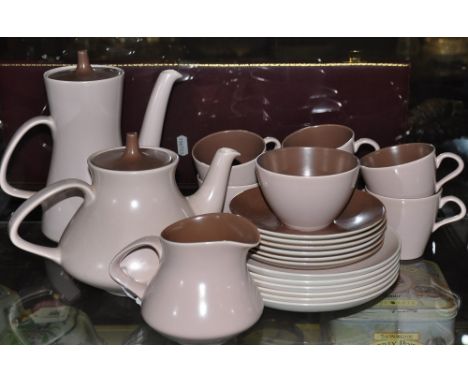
(153, 121)
(210, 196)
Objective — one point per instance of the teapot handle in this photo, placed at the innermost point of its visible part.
(19, 134)
(34, 201)
(130, 286)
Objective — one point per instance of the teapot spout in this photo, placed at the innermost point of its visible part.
(151, 130)
(210, 197)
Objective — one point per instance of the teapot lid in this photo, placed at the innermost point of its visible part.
(84, 71)
(132, 157)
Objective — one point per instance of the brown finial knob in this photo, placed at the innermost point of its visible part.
(132, 157)
(132, 151)
(83, 68)
(84, 72)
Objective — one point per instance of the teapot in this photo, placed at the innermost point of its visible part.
(202, 291)
(133, 194)
(85, 107)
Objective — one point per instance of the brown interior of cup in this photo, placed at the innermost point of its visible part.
(248, 144)
(211, 228)
(332, 136)
(307, 161)
(397, 155)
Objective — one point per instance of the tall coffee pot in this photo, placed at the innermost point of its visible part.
(85, 109)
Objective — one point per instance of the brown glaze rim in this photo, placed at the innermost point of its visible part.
(207, 154)
(408, 157)
(191, 231)
(342, 129)
(335, 152)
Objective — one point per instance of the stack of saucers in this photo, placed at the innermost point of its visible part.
(350, 262)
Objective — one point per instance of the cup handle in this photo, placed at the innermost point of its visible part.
(268, 140)
(454, 173)
(451, 219)
(34, 201)
(366, 141)
(130, 286)
(19, 134)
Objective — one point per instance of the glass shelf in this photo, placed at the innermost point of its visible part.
(40, 304)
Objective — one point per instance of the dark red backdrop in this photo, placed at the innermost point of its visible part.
(272, 100)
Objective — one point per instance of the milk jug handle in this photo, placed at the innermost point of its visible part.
(19, 134)
(122, 278)
(34, 201)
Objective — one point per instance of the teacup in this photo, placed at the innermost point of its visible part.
(231, 192)
(247, 143)
(406, 171)
(307, 187)
(328, 135)
(415, 219)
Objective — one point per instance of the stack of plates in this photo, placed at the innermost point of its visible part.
(346, 264)
(312, 253)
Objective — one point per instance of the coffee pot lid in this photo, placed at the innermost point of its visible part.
(132, 157)
(84, 71)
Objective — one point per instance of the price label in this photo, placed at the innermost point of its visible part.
(182, 145)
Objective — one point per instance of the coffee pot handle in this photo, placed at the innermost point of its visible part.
(34, 201)
(130, 286)
(19, 134)
(451, 219)
(454, 173)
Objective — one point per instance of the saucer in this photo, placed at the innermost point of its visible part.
(313, 252)
(362, 212)
(390, 249)
(321, 263)
(289, 265)
(318, 257)
(348, 241)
